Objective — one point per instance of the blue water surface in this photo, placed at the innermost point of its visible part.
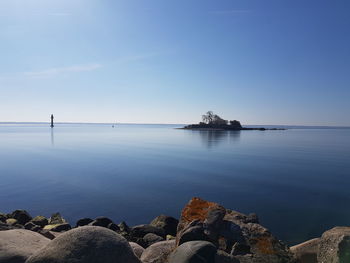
(297, 180)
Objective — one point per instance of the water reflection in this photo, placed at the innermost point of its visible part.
(214, 138)
(52, 138)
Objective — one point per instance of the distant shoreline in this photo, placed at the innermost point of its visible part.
(268, 126)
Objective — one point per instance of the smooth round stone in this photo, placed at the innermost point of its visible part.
(194, 252)
(87, 244)
(18, 244)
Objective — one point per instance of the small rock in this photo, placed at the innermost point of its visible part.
(150, 239)
(306, 252)
(22, 216)
(101, 221)
(46, 233)
(141, 230)
(11, 221)
(29, 225)
(158, 252)
(170, 237)
(84, 221)
(36, 228)
(167, 223)
(193, 231)
(113, 227)
(88, 244)
(56, 219)
(124, 227)
(194, 252)
(138, 250)
(40, 221)
(58, 227)
(18, 244)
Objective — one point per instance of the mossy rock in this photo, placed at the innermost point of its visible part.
(11, 221)
(56, 219)
(58, 227)
(22, 216)
(40, 221)
(170, 237)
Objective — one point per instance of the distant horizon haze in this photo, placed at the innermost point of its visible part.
(280, 62)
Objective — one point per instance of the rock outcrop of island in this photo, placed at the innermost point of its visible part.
(211, 121)
(206, 232)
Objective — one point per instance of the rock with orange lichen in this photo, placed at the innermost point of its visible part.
(230, 231)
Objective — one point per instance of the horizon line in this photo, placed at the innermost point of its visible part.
(140, 123)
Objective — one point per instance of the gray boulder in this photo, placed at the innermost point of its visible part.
(213, 222)
(167, 223)
(150, 239)
(30, 225)
(40, 221)
(18, 244)
(306, 252)
(194, 252)
(334, 246)
(232, 232)
(114, 227)
(56, 219)
(87, 244)
(138, 250)
(46, 233)
(141, 230)
(21, 216)
(194, 231)
(124, 227)
(158, 252)
(58, 227)
(101, 221)
(84, 222)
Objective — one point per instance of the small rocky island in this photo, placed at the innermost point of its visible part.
(211, 121)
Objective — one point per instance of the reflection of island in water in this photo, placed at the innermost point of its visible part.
(213, 122)
(212, 138)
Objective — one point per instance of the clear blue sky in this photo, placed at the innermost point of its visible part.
(157, 61)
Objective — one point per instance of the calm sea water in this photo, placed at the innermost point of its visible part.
(297, 181)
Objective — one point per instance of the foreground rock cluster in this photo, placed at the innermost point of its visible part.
(205, 233)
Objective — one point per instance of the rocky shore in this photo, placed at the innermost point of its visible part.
(206, 232)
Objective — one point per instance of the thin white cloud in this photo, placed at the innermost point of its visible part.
(51, 72)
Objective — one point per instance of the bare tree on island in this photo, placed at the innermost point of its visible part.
(215, 120)
(208, 117)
